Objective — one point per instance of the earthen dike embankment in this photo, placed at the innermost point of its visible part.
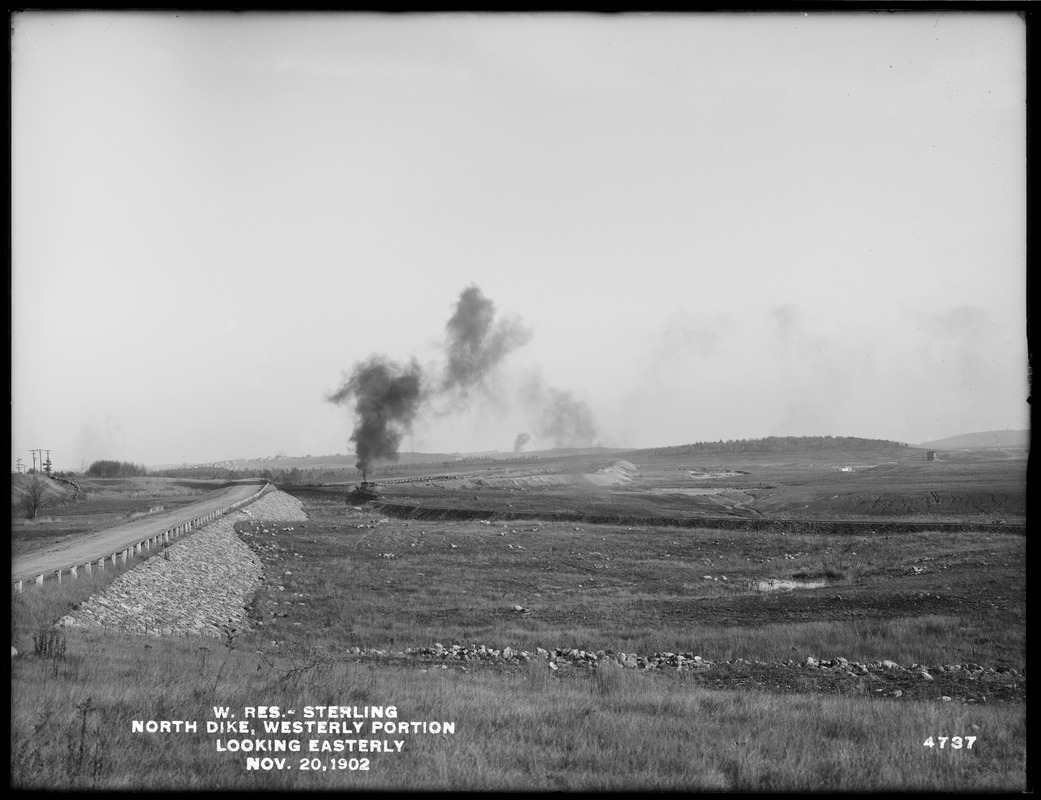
(757, 525)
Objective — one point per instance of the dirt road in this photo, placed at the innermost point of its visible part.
(104, 543)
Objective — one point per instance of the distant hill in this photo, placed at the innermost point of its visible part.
(778, 444)
(341, 461)
(981, 440)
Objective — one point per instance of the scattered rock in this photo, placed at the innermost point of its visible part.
(201, 586)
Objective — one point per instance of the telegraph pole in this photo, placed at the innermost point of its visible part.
(19, 465)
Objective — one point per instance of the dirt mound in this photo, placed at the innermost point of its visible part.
(620, 473)
(53, 490)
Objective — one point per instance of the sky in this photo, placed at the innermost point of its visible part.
(708, 226)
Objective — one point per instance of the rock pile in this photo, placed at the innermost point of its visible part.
(199, 585)
(589, 659)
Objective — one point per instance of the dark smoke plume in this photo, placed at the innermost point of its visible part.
(387, 396)
(477, 342)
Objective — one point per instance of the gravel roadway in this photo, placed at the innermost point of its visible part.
(113, 540)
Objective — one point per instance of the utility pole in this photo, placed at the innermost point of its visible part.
(34, 452)
(47, 463)
(19, 465)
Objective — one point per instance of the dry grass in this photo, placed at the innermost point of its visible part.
(75, 694)
(644, 590)
(610, 730)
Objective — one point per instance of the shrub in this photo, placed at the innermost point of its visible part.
(34, 499)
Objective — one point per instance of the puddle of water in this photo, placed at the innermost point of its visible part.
(774, 584)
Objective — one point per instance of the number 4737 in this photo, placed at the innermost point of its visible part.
(957, 742)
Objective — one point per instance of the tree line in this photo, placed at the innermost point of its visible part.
(115, 469)
(776, 444)
(288, 476)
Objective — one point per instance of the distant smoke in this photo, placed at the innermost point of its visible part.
(560, 417)
(387, 396)
(477, 343)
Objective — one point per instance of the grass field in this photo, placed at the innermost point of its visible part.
(351, 597)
